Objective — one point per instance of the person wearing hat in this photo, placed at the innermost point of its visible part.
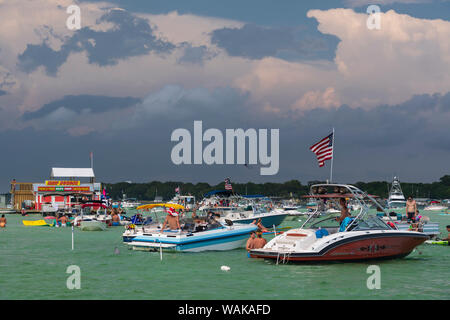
(172, 220)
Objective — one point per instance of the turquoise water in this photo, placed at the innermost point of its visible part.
(34, 260)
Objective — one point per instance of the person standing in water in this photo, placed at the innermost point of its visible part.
(2, 221)
(411, 208)
(259, 242)
(251, 241)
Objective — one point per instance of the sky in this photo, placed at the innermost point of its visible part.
(135, 71)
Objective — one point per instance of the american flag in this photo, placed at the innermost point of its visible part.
(228, 184)
(323, 149)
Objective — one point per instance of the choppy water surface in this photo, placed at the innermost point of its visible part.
(33, 263)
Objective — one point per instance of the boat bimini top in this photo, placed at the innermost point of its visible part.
(163, 205)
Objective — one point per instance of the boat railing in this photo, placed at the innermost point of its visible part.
(358, 195)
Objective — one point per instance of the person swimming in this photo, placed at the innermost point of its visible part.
(2, 221)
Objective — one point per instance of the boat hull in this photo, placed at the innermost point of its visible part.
(359, 248)
(92, 226)
(217, 241)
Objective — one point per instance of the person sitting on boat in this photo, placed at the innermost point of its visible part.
(344, 211)
(259, 242)
(411, 209)
(195, 217)
(210, 218)
(345, 218)
(2, 221)
(211, 221)
(172, 220)
(251, 241)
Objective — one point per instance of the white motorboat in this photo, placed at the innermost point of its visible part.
(130, 203)
(186, 201)
(396, 199)
(93, 217)
(322, 238)
(269, 217)
(435, 206)
(243, 209)
(293, 209)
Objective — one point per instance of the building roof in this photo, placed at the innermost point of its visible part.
(72, 173)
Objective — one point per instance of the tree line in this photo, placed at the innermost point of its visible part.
(289, 189)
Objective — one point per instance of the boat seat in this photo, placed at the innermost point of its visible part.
(188, 227)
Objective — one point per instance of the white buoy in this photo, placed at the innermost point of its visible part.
(225, 268)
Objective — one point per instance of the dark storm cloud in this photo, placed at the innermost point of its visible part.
(80, 103)
(35, 56)
(130, 36)
(195, 54)
(289, 43)
(409, 139)
(176, 103)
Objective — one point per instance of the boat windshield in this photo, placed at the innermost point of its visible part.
(370, 223)
(324, 221)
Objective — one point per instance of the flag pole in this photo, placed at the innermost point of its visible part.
(332, 159)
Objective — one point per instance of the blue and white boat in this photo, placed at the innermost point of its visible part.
(190, 239)
(243, 209)
(269, 217)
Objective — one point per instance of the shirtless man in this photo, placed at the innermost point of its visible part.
(448, 236)
(115, 219)
(411, 208)
(2, 221)
(251, 242)
(259, 242)
(63, 220)
(172, 220)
